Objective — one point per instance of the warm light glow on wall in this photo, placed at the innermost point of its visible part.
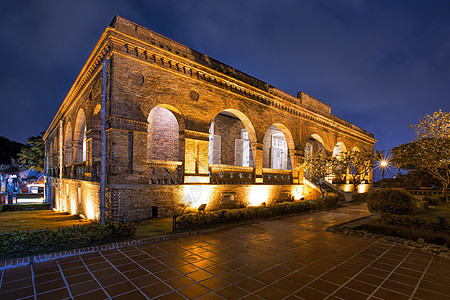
(90, 212)
(195, 195)
(258, 194)
(297, 192)
(363, 188)
(73, 206)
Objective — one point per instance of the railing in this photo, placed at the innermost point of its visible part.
(79, 170)
(53, 172)
(225, 174)
(165, 172)
(277, 176)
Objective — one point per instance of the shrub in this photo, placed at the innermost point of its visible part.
(391, 201)
(421, 206)
(20, 207)
(212, 218)
(24, 243)
(418, 222)
(431, 200)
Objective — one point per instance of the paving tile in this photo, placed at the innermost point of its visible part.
(323, 286)
(389, 294)
(17, 293)
(250, 261)
(347, 293)
(427, 294)
(135, 273)
(265, 277)
(310, 294)
(157, 289)
(111, 280)
(145, 280)
(270, 292)
(180, 282)
(54, 294)
(79, 278)
(194, 291)
(119, 288)
(210, 296)
(84, 287)
(361, 286)
(97, 294)
(214, 283)
(50, 285)
(232, 292)
(135, 295)
(398, 287)
(16, 284)
(171, 296)
(287, 285)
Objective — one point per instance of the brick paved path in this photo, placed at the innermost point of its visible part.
(289, 258)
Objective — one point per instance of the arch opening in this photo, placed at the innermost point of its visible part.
(313, 144)
(276, 149)
(163, 135)
(230, 137)
(79, 139)
(68, 145)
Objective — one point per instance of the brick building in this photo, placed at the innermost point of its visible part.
(180, 127)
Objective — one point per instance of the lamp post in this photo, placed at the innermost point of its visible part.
(383, 165)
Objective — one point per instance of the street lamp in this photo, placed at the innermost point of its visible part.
(383, 165)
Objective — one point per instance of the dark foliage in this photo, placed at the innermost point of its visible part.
(25, 243)
(9, 149)
(200, 220)
(391, 201)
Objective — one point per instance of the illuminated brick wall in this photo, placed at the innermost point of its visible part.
(148, 73)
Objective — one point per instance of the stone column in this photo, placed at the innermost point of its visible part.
(196, 150)
(297, 172)
(257, 150)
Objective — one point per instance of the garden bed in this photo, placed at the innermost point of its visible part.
(438, 238)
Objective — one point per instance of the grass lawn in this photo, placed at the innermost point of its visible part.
(153, 227)
(36, 219)
(39, 219)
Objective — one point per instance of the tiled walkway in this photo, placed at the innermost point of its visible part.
(289, 258)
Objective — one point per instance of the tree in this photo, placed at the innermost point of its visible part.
(430, 152)
(359, 165)
(32, 154)
(8, 150)
(434, 126)
(320, 165)
(430, 155)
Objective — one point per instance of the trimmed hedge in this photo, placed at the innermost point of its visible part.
(25, 243)
(418, 222)
(212, 218)
(391, 201)
(21, 207)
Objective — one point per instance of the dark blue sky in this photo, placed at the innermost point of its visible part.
(379, 64)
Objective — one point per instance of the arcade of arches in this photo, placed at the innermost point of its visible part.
(182, 128)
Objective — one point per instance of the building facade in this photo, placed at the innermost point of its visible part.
(181, 129)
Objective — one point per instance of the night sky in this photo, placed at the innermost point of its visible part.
(380, 65)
